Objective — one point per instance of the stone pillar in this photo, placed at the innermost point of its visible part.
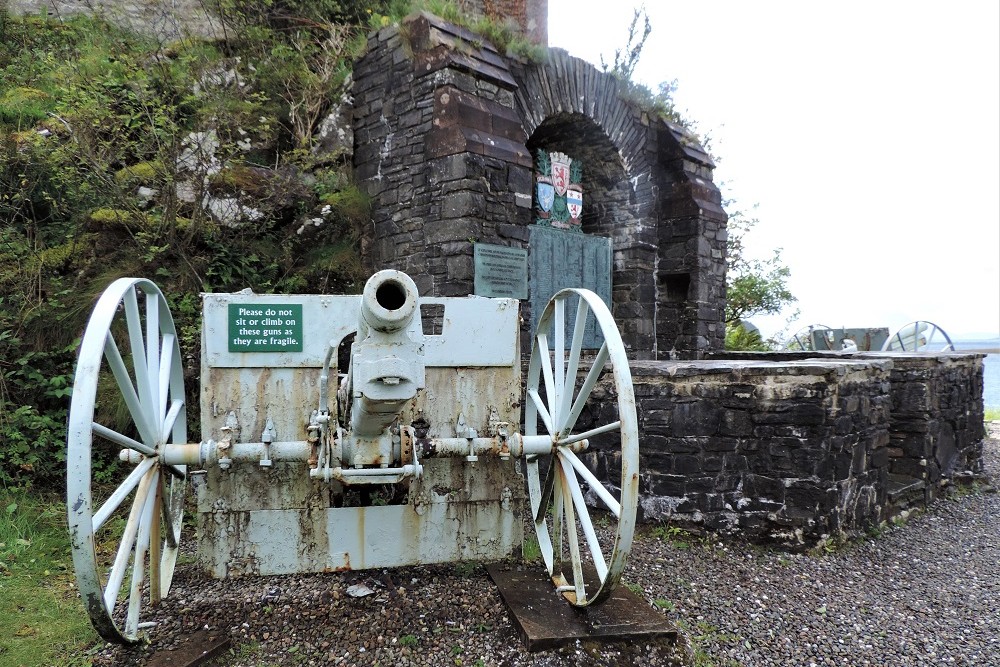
(440, 151)
(691, 268)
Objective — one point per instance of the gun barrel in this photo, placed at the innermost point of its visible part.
(387, 365)
(389, 301)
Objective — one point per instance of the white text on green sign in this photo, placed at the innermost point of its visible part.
(265, 327)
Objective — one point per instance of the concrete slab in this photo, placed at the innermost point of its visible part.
(546, 620)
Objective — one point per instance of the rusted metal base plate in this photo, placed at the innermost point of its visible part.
(546, 620)
(197, 649)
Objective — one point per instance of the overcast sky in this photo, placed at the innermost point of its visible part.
(866, 133)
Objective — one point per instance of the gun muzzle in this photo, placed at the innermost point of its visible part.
(389, 301)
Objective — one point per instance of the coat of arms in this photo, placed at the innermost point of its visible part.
(558, 190)
(559, 165)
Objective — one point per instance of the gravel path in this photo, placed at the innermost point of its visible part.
(925, 593)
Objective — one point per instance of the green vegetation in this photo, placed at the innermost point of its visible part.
(43, 620)
(992, 414)
(114, 148)
(753, 286)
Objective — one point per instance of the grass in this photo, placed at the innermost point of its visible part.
(38, 602)
(530, 550)
(991, 414)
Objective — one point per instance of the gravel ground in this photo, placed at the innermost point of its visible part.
(925, 593)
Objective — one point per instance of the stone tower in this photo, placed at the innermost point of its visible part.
(531, 15)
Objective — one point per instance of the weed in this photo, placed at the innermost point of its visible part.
(530, 550)
(663, 603)
(466, 568)
(635, 588)
(408, 641)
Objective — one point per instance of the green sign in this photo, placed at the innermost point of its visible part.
(265, 327)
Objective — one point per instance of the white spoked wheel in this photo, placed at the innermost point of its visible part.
(919, 336)
(558, 388)
(129, 355)
(802, 340)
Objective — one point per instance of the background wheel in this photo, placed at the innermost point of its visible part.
(919, 336)
(129, 358)
(558, 388)
(802, 340)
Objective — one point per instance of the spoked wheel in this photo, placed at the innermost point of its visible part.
(558, 388)
(125, 546)
(802, 340)
(919, 336)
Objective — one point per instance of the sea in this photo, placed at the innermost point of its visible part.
(991, 366)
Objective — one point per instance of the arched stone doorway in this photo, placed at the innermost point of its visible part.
(444, 136)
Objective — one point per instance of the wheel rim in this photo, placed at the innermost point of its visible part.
(557, 494)
(919, 336)
(134, 348)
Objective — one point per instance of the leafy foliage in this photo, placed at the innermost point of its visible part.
(627, 58)
(755, 286)
(110, 145)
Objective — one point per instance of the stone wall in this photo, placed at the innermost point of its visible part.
(936, 424)
(444, 128)
(168, 20)
(796, 448)
(784, 452)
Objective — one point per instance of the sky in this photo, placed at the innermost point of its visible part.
(864, 136)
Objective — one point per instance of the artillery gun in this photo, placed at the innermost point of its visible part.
(408, 455)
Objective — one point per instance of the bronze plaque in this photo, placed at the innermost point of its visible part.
(501, 271)
(561, 259)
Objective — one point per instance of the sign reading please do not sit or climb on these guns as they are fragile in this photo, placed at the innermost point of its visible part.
(265, 327)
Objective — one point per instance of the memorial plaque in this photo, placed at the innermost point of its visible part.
(265, 327)
(561, 259)
(501, 271)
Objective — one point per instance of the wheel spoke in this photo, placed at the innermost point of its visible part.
(579, 327)
(574, 543)
(127, 542)
(125, 488)
(559, 355)
(163, 386)
(154, 543)
(588, 386)
(153, 355)
(569, 440)
(139, 557)
(135, 409)
(557, 523)
(543, 411)
(546, 359)
(545, 494)
(600, 564)
(595, 484)
(138, 348)
(538, 513)
(169, 521)
(176, 406)
(123, 440)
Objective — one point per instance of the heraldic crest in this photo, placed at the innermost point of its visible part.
(558, 190)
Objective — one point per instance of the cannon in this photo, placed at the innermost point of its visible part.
(345, 433)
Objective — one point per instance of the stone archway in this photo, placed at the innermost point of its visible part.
(444, 129)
